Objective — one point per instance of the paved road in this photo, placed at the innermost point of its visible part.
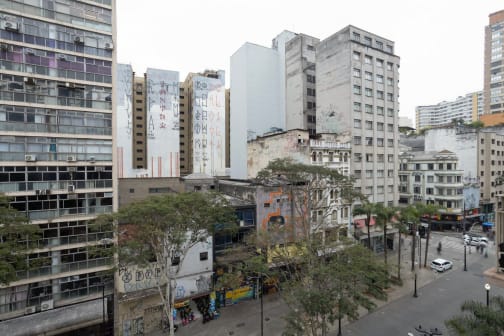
(440, 296)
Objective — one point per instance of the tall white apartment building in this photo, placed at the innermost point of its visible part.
(467, 108)
(357, 76)
(57, 62)
(494, 71)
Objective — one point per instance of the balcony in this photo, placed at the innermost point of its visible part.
(71, 212)
(68, 267)
(54, 186)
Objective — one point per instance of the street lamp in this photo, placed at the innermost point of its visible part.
(487, 287)
(463, 237)
(103, 284)
(415, 295)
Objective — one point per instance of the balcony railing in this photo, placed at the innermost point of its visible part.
(67, 267)
(51, 214)
(62, 185)
(52, 100)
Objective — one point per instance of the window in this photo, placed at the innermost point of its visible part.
(369, 141)
(390, 97)
(389, 49)
(380, 157)
(310, 78)
(175, 261)
(356, 36)
(369, 125)
(390, 173)
(357, 106)
(379, 63)
(379, 126)
(369, 92)
(357, 174)
(379, 142)
(357, 157)
(356, 55)
(131, 190)
(368, 76)
(310, 92)
(369, 173)
(379, 94)
(390, 189)
(203, 256)
(380, 173)
(310, 47)
(379, 189)
(368, 59)
(369, 190)
(390, 81)
(440, 166)
(369, 157)
(430, 166)
(390, 112)
(379, 79)
(379, 45)
(390, 157)
(357, 89)
(369, 108)
(448, 166)
(390, 142)
(367, 40)
(390, 66)
(356, 73)
(429, 191)
(357, 140)
(379, 110)
(418, 178)
(357, 123)
(390, 127)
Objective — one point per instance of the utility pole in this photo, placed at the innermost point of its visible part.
(463, 237)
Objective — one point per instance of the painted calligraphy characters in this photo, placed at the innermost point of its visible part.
(209, 125)
(163, 123)
(124, 119)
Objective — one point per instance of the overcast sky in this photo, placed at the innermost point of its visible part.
(440, 42)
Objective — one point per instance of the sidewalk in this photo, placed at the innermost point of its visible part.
(243, 319)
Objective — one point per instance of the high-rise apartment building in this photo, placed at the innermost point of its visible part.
(203, 123)
(467, 108)
(494, 68)
(300, 92)
(57, 63)
(357, 75)
(147, 123)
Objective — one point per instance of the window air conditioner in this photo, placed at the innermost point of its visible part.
(71, 188)
(11, 25)
(78, 39)
(109, 46)
(30, 158)
(92, 159)
(46, 305)
(71, 158)
(29, 51)
(62, 57)
(30, 310)
(37, 191)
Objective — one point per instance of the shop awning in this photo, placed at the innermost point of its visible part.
(361, 223)
(487, 224)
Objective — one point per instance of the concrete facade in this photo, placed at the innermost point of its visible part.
(468, 108)
(258, 96)
(357, 98)
(56, 157)
(493, 85)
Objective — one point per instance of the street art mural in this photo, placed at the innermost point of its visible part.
(209, 125)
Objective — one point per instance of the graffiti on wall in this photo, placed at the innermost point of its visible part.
(134, 279)
(190, 286)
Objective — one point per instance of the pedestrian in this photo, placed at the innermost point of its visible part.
(439, 248)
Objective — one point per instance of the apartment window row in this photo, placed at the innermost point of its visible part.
(310, 78)
(357, 89)
(310, 92)
(368, 141)
(311, 105)
(369, 157)
(369, 125)
(428, 166)
(369, 42)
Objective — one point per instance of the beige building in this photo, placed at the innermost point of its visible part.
(493, 71)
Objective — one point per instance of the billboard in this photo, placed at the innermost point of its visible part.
(163, 123)
(209, 125)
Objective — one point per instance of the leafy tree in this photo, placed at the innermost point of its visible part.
(367, 209)
(404, 215)
(478, 319)
(165, 228)
(429, 210)
(384, 216)
(476, 124)
(17, 238)
(313, 190)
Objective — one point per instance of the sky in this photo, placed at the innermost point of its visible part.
(440, 42)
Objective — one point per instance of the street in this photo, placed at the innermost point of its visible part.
(439, 298)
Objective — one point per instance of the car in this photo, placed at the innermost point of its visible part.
(441, 265)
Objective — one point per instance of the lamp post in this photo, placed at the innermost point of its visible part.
(487, 287)
(415, 295)
(463, 237)
(103, 284)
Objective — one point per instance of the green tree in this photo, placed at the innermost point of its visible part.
(404, 216)
(367, 209)
(429, 210)
(384, 216)
(165, 228)
(478, 319)
(315, 192)
(17, 238)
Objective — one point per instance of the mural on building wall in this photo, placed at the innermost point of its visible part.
(163, 123)
(124, 120)
(209, 125)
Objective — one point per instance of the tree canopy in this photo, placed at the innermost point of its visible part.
(478, 319)
(17, 237)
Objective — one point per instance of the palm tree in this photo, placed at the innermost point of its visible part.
(367, 208)
(383, 217)
(404, 215)
(427, 209)
(479, 319)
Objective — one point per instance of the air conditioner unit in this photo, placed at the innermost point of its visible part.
(78, 39)
(62, 57)
(30, 158)
(29, 80)
(11, 25)
(69, 85)
(44, 191)
(71, 188)
(30, 310)
(71, 158)
(5, 47)
(92, 159)
(99, 169)
(29, 51)
(72, 169)
(37, 191)
(46, 305)
(109, 46)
